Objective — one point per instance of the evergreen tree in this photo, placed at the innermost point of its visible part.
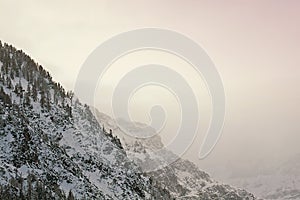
(48, 101)
(70, 196)
(29, 185)
(27, 99)
(34, 92)
(70, 95)
(5, 97)
(12, 75)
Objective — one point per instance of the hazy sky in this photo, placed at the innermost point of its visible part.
(254, 44)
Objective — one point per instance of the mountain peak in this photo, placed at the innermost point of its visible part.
(52, 144)
(53, 147)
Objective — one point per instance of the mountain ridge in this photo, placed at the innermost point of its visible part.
(181, 177)
(49, 135)
(53, 147)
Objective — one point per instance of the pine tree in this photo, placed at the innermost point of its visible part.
(69, 111)
(12, 75)
(8, 83)
(34, 92)
(43, 99)
(27, 99)
(39, 190)
(48, 101)
(5, 97)
(28, 89)
(70, 196)
(70, 95)
(29, 190)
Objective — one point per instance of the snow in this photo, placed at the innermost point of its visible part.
(23, 170)
(67, 186)
(270, 186)
(74, 152)
(146, 152)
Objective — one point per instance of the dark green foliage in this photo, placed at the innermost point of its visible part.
(5, 98)
(16, 65)
(40, 149)
(33, 190)
(71, 196)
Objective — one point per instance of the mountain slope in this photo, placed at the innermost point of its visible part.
(51, 145)
(277, 181)
(182, 178)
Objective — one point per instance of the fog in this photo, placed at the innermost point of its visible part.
(254, 46)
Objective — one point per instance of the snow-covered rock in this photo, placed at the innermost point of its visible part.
(51, 145)
(277, 181)
(182, 178)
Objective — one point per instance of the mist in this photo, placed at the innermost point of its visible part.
(254, 46)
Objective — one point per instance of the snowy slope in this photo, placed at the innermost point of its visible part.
(182, 178)
(52, 145)
(274, 182)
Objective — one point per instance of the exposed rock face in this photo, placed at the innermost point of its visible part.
(182, 178)
(51, 145)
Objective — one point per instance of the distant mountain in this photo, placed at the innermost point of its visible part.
(182, 178)
(51, 145)
(273, 182)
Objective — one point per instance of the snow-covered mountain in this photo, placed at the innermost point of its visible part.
(51, 145)
(278, 181)
(182, 178)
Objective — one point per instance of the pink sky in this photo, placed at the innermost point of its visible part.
(254, 44)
